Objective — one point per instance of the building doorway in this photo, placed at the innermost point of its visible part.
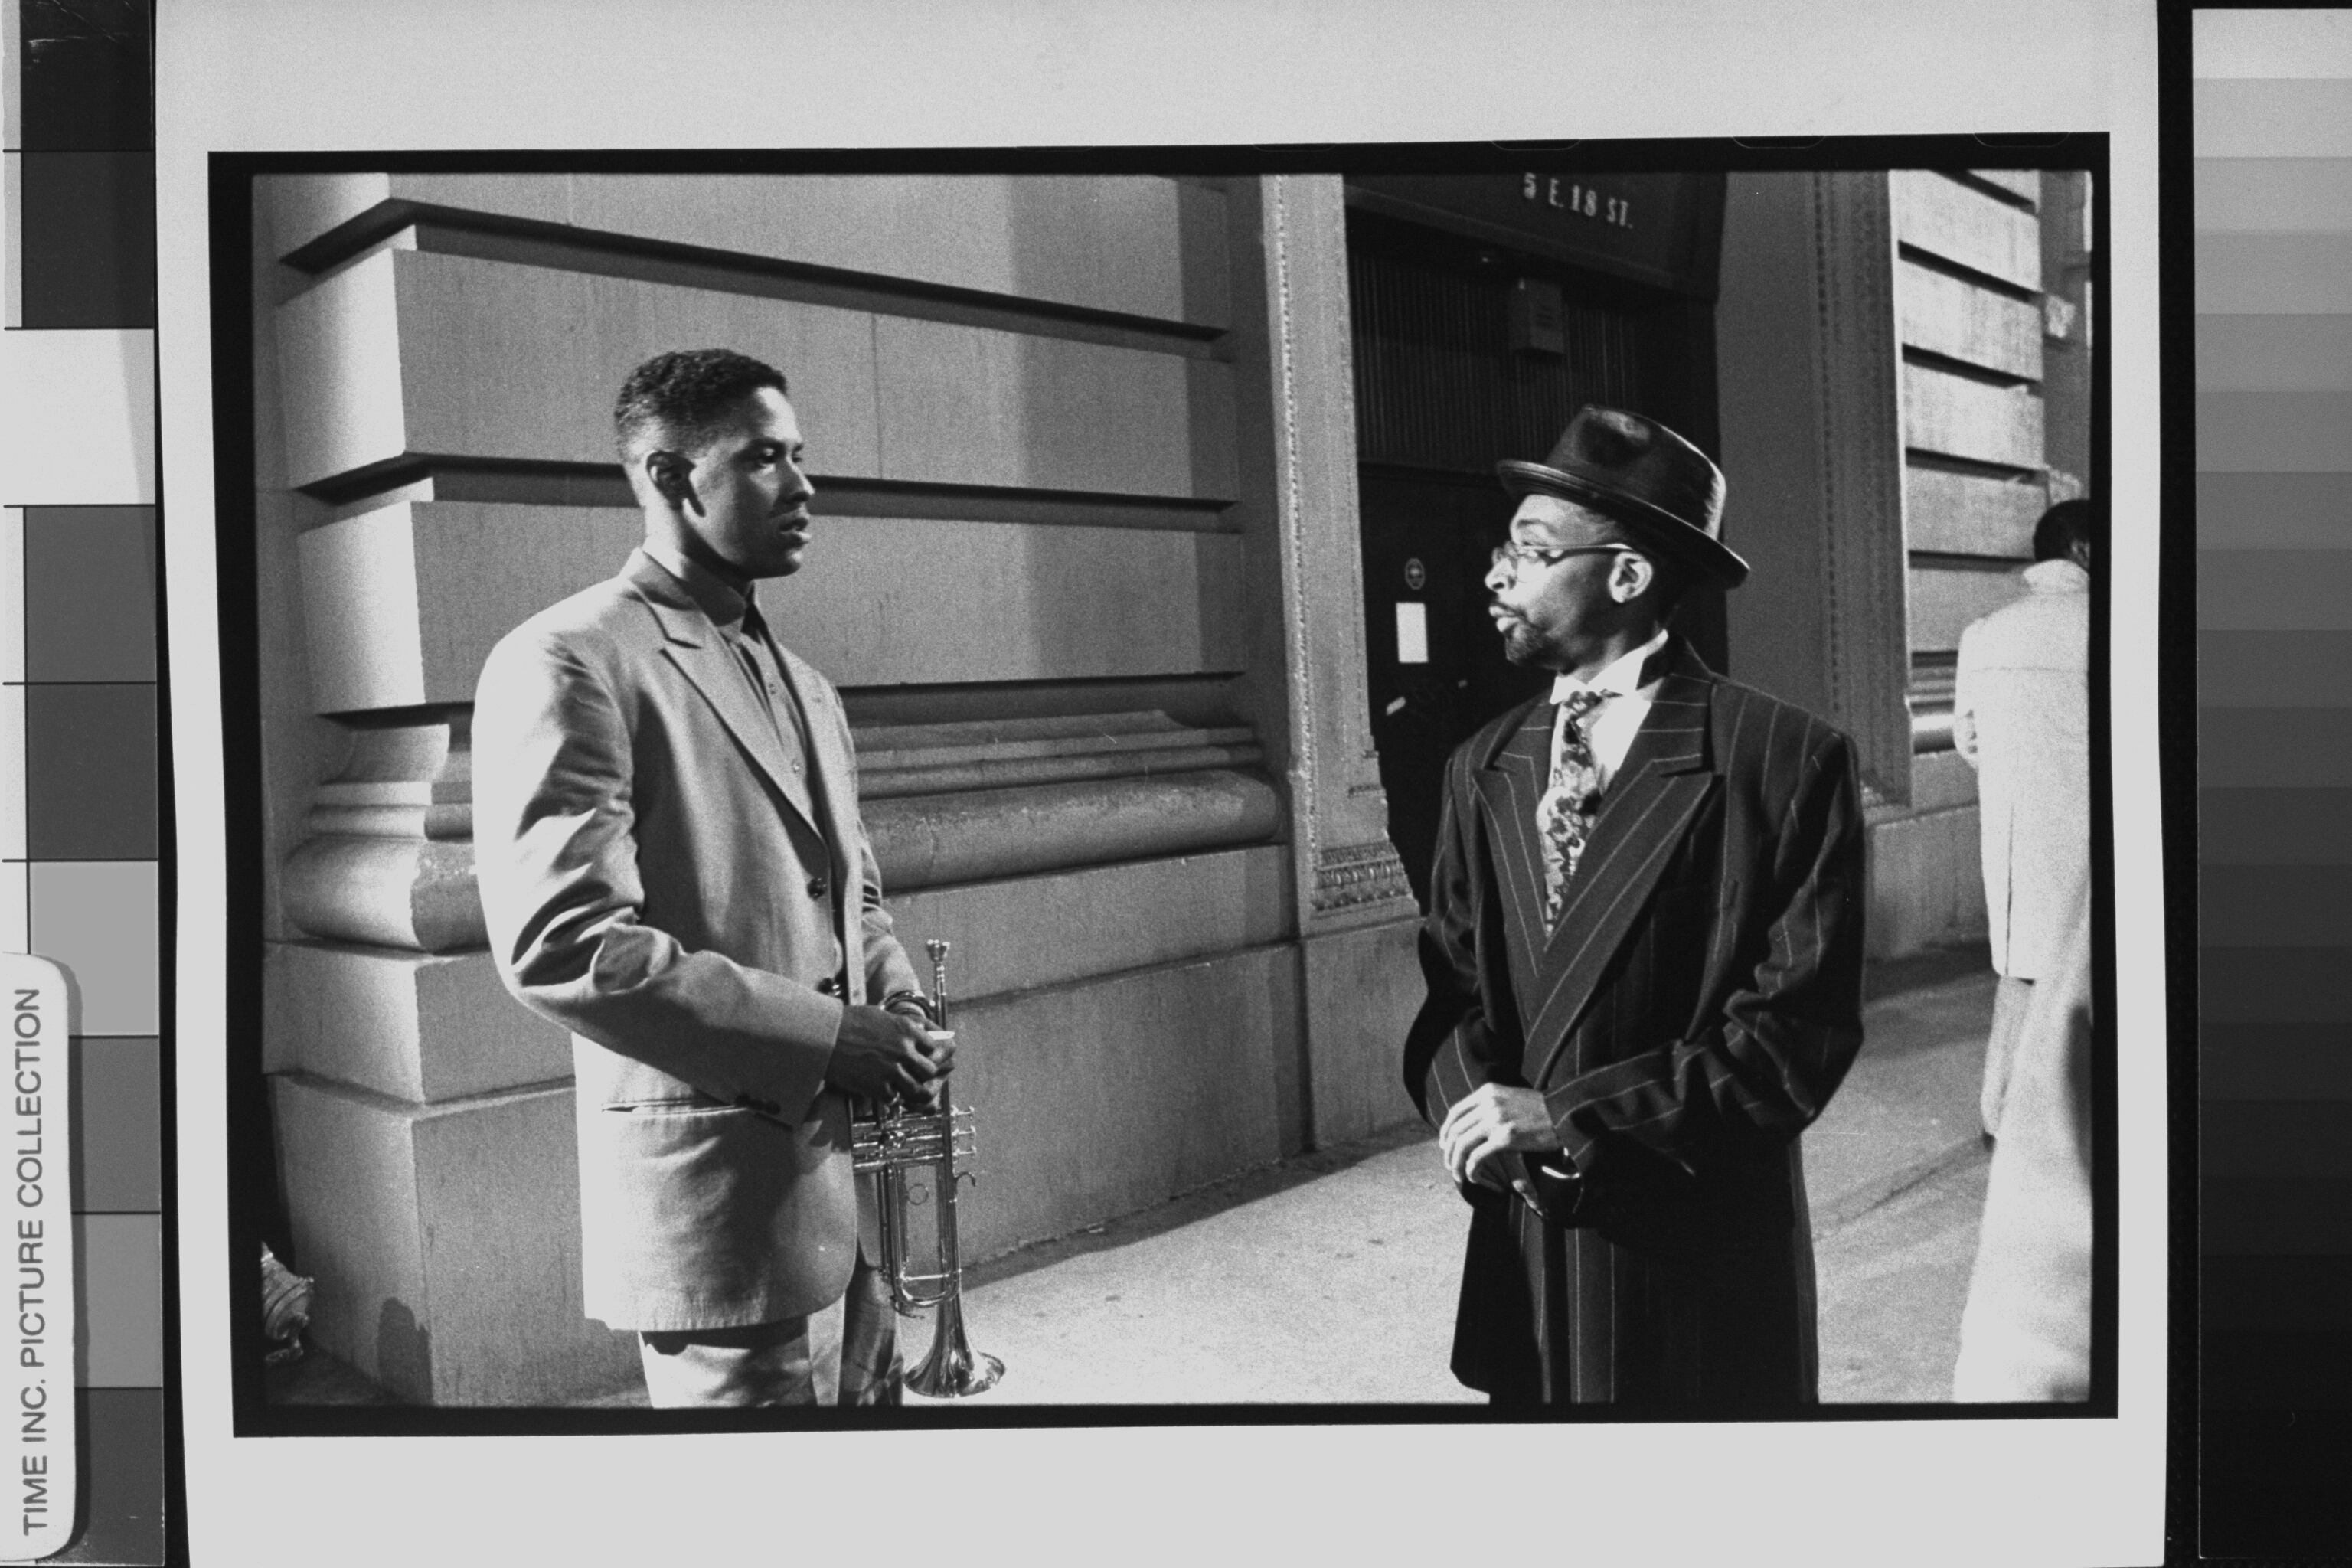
(1476, 340)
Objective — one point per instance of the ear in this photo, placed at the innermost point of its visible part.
(1631, 577)
(671, 477)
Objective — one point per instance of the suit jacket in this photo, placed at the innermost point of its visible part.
(659, 880)
(2022, 716)
(1690, 1015)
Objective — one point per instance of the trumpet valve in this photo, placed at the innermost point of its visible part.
(903, 1141)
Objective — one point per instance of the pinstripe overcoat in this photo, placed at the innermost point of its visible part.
(1694, 1009)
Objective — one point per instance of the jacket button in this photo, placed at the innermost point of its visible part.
(818, 887)
(830, 985)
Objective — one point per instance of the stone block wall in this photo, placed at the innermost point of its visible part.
(1084, 567)
(1901, 354)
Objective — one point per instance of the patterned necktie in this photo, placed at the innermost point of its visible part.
(1566, 812)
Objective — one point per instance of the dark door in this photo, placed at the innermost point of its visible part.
(1427, 538)
(1442, 394)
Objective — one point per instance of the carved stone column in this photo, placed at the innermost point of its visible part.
(1881, 362)
(1808, 362)
(1349, 872)
(1356, 911)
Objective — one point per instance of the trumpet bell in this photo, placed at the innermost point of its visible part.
(914, 1157)
(953, 1369)
(892, 1146)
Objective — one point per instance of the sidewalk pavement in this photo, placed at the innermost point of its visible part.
(1332, 1278)
(1896, 1171)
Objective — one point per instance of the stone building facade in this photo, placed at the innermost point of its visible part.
(1088, 570)
(1906, 361)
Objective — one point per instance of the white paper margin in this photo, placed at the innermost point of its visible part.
(406, 74)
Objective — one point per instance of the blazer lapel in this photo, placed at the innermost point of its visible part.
(1666, 776)
(709, 665)
(1511, 781)
(831, 771)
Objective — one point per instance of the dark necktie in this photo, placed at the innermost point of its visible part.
(760, 661)
(754, 640)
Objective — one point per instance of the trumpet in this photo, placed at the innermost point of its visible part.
(892, 1146)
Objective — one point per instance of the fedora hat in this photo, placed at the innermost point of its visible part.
(1664, 489)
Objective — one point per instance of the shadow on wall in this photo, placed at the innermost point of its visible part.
(404, 1351)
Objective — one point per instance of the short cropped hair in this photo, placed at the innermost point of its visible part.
(2063, 533)
(677, 397)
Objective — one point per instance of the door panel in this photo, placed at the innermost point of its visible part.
(1441, 396)
(1448, 525)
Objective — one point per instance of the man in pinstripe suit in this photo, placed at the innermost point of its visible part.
(1643, 953)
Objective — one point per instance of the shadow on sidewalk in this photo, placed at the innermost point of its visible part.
(1329, 1277)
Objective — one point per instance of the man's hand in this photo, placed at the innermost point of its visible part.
(1491, 1119)
(883, 1055)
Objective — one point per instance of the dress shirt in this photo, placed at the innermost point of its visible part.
(1610, 728)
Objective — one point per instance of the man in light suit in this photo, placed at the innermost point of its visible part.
(2022, 718)
(673, 867)
(1644, 954)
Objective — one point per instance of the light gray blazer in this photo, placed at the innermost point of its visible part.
(657, 879)
(2022, 716)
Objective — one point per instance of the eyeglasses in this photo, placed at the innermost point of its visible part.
(1521, 555)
